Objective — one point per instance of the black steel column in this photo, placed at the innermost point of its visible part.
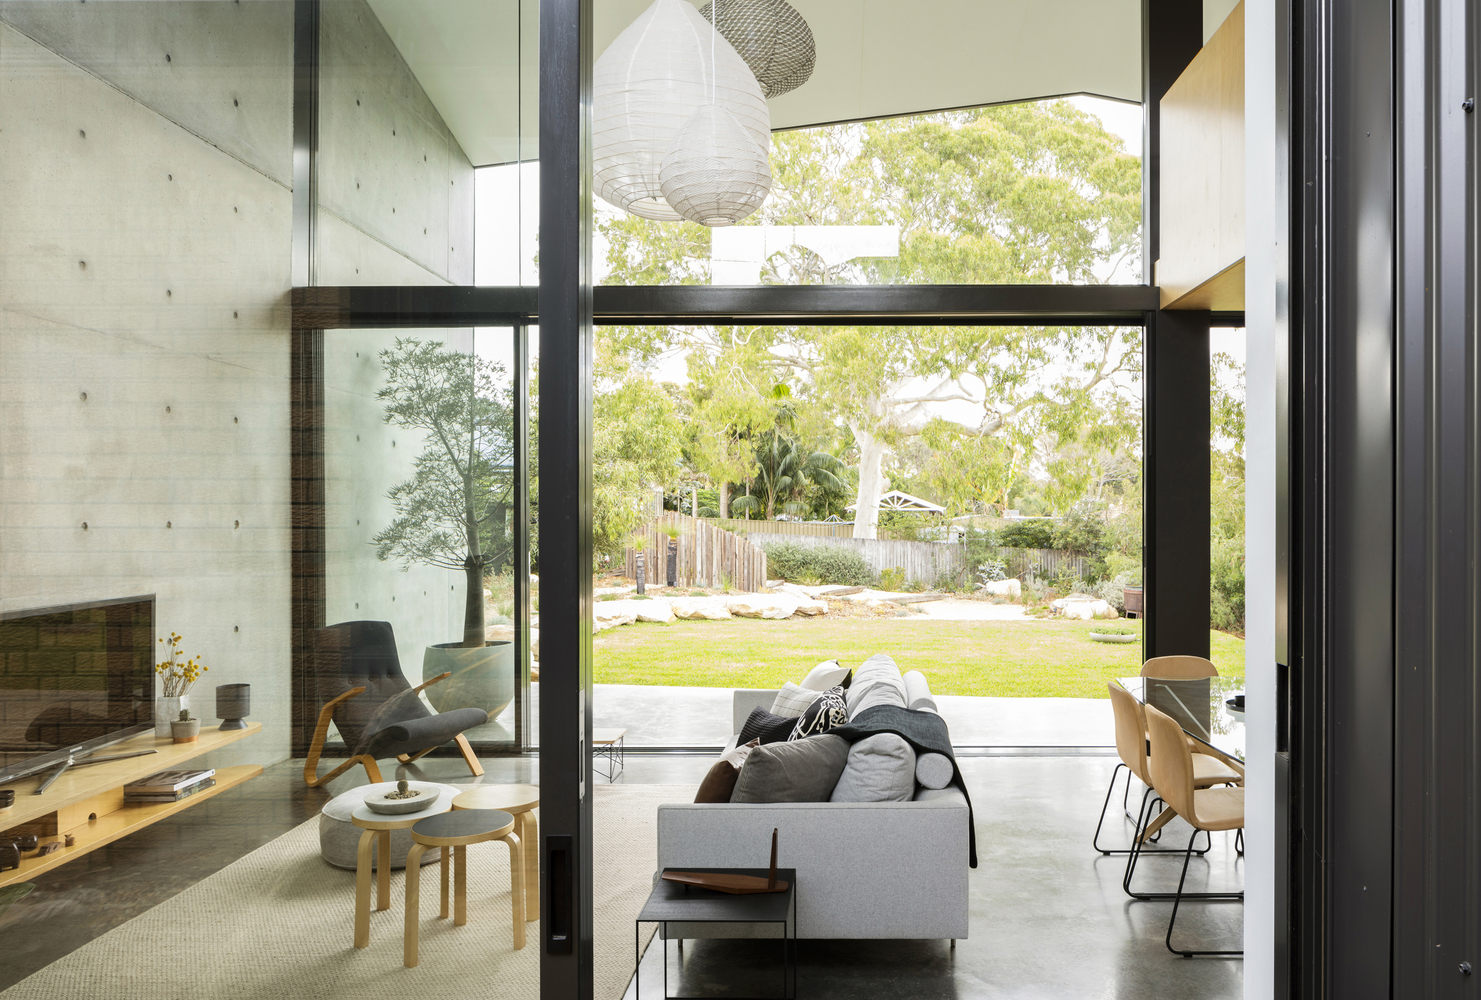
(1437, 735)
(1175, 485)
(565, 499)
(1175, 457)
(305, 137)
(524, 469)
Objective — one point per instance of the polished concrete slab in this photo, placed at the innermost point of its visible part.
(1048, 915)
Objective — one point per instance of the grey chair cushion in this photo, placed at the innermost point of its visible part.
(416, 735)
(934, 770)
(795, 771)
(879, 769)
(876, 682)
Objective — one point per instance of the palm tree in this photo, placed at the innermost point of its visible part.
(784, 470)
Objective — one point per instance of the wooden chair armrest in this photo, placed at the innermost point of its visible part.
(426, 684)
(321, 729)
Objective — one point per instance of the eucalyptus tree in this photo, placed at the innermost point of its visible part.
(1021, 193)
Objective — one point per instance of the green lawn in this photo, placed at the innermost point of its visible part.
(1033, 659)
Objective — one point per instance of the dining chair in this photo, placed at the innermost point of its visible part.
(1206, 809)
(1131, 747)
(1179, 668)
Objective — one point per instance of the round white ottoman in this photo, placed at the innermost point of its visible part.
(339, 839)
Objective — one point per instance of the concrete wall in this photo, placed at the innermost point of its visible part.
(145, 228)
(145, 247)
(395, 208)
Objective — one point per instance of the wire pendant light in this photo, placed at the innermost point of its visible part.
(771, 37)
(647, 85)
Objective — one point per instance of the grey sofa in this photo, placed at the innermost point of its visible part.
(864, 870)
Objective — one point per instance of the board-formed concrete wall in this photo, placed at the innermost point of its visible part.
(145, 236)
(145, 249)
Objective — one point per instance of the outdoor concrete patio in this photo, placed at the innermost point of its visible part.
(657, 716)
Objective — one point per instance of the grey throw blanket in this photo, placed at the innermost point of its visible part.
(926, 732)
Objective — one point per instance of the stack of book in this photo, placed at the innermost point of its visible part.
(170, 786)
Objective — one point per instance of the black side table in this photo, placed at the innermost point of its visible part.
(672, 902)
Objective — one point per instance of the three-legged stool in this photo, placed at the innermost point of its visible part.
(456, 830)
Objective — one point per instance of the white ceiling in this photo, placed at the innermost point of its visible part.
(875, 58)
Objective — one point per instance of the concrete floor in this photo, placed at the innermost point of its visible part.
(1048, 915)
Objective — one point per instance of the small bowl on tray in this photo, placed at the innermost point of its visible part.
(426, 797)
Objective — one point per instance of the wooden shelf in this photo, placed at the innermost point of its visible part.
(88, 802)
(120, 823)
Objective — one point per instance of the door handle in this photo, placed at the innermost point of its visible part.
(559, 904)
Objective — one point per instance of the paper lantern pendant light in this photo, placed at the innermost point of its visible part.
(714, 173)
(647, 86)
(771, 37)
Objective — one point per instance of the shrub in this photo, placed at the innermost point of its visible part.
(828, 564)
(1027, 535)
(1226, 585)
(892, 579)
(991, 571)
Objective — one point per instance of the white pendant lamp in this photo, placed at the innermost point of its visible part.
(714, 173)
(648, 85)
(771, 37)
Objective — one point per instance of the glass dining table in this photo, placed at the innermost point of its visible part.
(1201, 706)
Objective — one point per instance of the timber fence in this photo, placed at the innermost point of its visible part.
(820, 529)
(705, 556)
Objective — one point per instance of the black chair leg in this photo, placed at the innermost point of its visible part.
(1095, 840)
(1139, 849)
(1178, 898)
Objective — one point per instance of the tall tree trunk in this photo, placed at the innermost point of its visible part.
(473, 611)
(473, 619)
(725, 499)
(871, 482)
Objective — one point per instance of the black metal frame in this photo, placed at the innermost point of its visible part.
(1177, 900)
(1136, 821)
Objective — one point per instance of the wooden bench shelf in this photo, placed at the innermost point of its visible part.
(88, 802)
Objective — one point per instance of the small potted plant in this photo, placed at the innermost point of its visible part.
(185, 729)
(178, 675)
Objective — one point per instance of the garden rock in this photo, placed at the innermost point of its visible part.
(610, 614)
(1086, 610)
(811, 608)
(773, 606)
(1003, 588)
(696, 608)
(642, 611)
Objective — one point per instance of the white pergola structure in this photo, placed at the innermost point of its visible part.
(896, 500)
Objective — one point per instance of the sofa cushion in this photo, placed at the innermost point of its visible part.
(934, 770)
(766, 727)
(792, 700)
(880, 768)
(719, 783)
(826, 712)
(876, 682)
(796, 771)
(826, 675)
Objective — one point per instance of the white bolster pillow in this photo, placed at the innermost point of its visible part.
(918, 693)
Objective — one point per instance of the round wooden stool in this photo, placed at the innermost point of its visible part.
(457, 830)
(517, 800)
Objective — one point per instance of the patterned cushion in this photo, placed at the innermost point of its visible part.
(792, 701)
(795, 771)
(828, 711)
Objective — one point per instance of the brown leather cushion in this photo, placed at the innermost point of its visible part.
(719, 783)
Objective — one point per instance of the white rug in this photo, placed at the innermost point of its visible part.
(278, 925)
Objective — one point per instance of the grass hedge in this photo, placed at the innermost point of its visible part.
(827, 564)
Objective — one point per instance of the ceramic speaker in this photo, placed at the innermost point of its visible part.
(233, 702)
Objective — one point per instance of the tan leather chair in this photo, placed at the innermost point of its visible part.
(1131, 746)
(1179, 668)
(1206, 809)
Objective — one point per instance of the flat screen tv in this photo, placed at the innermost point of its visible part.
(75, 674)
